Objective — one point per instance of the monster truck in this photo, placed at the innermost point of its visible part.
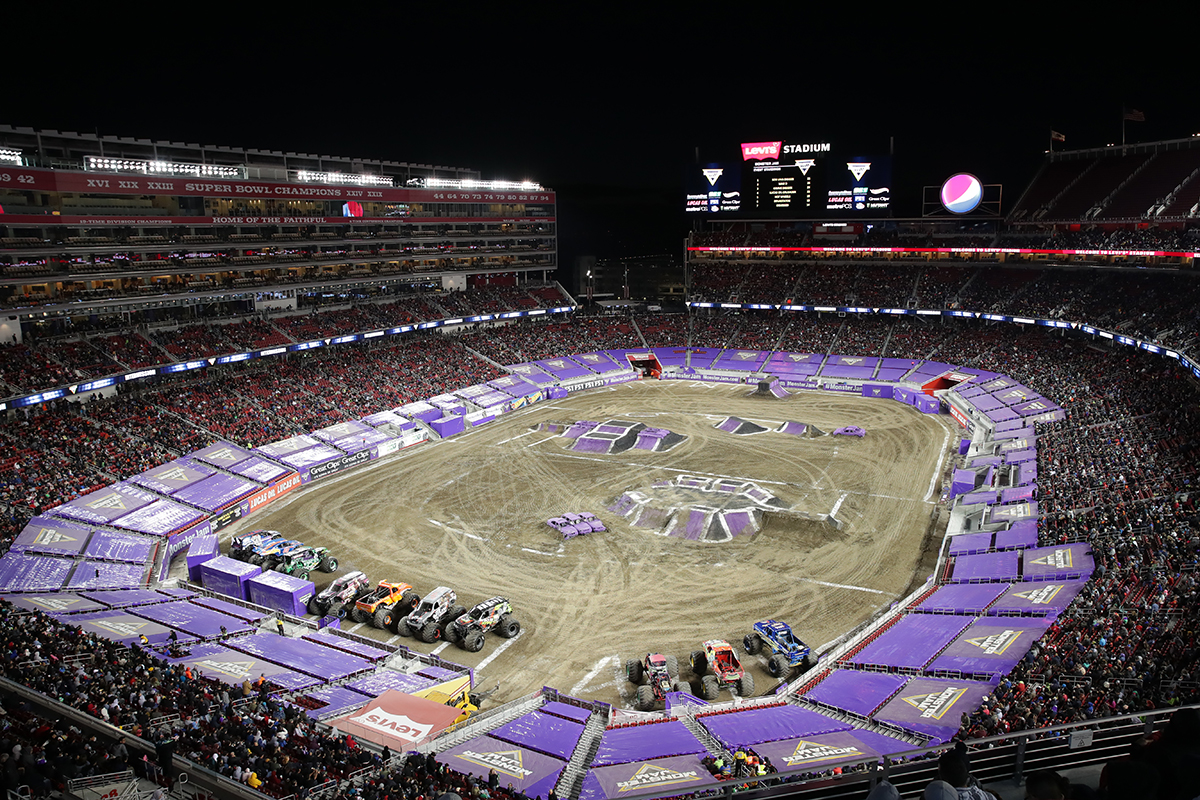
(585, 521)
(245, 546)
(467, 631)
(339, 597)
(387, 605)
(428, 621)
(302, 559)
(268, 554)
(726, 671)
(654, 676)
(788, 652)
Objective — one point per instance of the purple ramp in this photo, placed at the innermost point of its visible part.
(987, 567)
(856, 691)
(124, 598)
(232, 667)
(1059, 563)
(217, 492)
(663, 739)
(544, 733)
(106, 546)
(933, 707)
(198, 621)
(913, 641)
(328, 638)
(385, 680)
(173, 476)
(1015, 494)
(565, 710)
(817, 752)
(1020, 535)
(337, 700)
(248, 614)
(107, 575)
(769, 724)
(962, 598)
(678, 776)
(50, 536)
(794, 428)
(310, 657)
(1037, 599)
(970, 543)
(991, 646)
(514, 765)
(103, 506)
(124, 627)
(56, 603)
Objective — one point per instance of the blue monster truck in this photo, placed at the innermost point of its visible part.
(788, 652)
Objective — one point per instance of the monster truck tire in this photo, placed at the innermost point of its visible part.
(745, 686)
(314, 608)
(344, 611)
(473, 642)
(429, 633)
(645, 697)
(256, 560)
(328, 564)
(753, 643)
(699, 662)
(672, 666)
(810, 660)
(633, 671)
(778, 665)
(384, 618)
(359, 616)
(507, 626)
(409, 600)
(680, 685)
(709, 688)
(402, 627)
(453, 634)
(302, 574)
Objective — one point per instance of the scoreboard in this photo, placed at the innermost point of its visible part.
(791, 180)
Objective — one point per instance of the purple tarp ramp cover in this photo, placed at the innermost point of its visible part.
(56, 603)
(225, 607)
(566, 710)
(337, 700)
(232, 667)
(386, 680)
(1062, 562)
(768, 724)
(518, 766)
(621, 745)
(856, 691)
(124, 598)
(310, 657)
(103, 506)
(160, 518)
(1049, 599)
(970, 543)
(987, 567)
(817, 751)
(676, 776)
(962, 598)
(50, 536)
(327, 637)
(934, 707)
(991, 646)
(173, 476)
(222, 454)
(217, 492)
(545, 733)
(124, 627)
(1020, 535)
(198, 621)
(107, 575)
(107, 546)
(913, 641)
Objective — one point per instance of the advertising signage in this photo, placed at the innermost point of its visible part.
(781, 179)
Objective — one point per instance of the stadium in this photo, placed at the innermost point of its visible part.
(376, 358)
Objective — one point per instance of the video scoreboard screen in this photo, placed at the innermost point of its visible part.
(791, 180)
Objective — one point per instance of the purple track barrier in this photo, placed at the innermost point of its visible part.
(447, 426)
(970, 543)
(335, 700)
(880, 390)
(194, 620)
(1037, 599)
(228, 576)
(903, 394)
(992, 646)
(386, 680)
(280, 592)
(961, 482)
(544, 733)
(202, 549)
(557, 393)
(856, 691)
(679, 776)
(567, 711)
(516, 766)
(817, 752)
(913, 641)
(53, 537)
(301, 656)
(331, 639)
(661, 740)
(1018, 536)
(106, 575)
(933, 706)
(927, 405)
(963, 446)
(124, 627)
(106, 546)
(769, 724)
(962, 598)
(58, 604)
(987, 567)
(232, 668)
(1058, 563)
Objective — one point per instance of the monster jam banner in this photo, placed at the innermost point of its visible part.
(519, 766)
(51, 536)
(667, 776)
(222, 454)
(816, 752)
(398, 720)
(990, 646)
(1048, 599)
(1058, 563)
(104, 506)
(336, 465)
(933, 707)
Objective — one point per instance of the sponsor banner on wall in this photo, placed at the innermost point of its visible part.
(336, 465)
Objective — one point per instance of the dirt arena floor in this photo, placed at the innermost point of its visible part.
(469, 513)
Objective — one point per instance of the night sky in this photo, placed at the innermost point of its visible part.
(608, 106)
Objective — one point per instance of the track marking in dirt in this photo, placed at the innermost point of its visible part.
(439, 648)
(356, 627)
(938, 471)
(841, 586)
(599, 665)
(541, 552)
(479, 667)
(514, 438)
(393, 639)
(455, 530)
(534, 444)
(838, 504)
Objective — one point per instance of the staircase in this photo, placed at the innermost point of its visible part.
(714, 747)
(571, 779)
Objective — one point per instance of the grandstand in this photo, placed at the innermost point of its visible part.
(1101, 358)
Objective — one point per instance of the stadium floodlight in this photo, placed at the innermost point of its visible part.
(10, 156)
(143, 167)
(471, 183)
(344, 177)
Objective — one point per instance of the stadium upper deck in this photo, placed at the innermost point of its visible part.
(86, 217)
